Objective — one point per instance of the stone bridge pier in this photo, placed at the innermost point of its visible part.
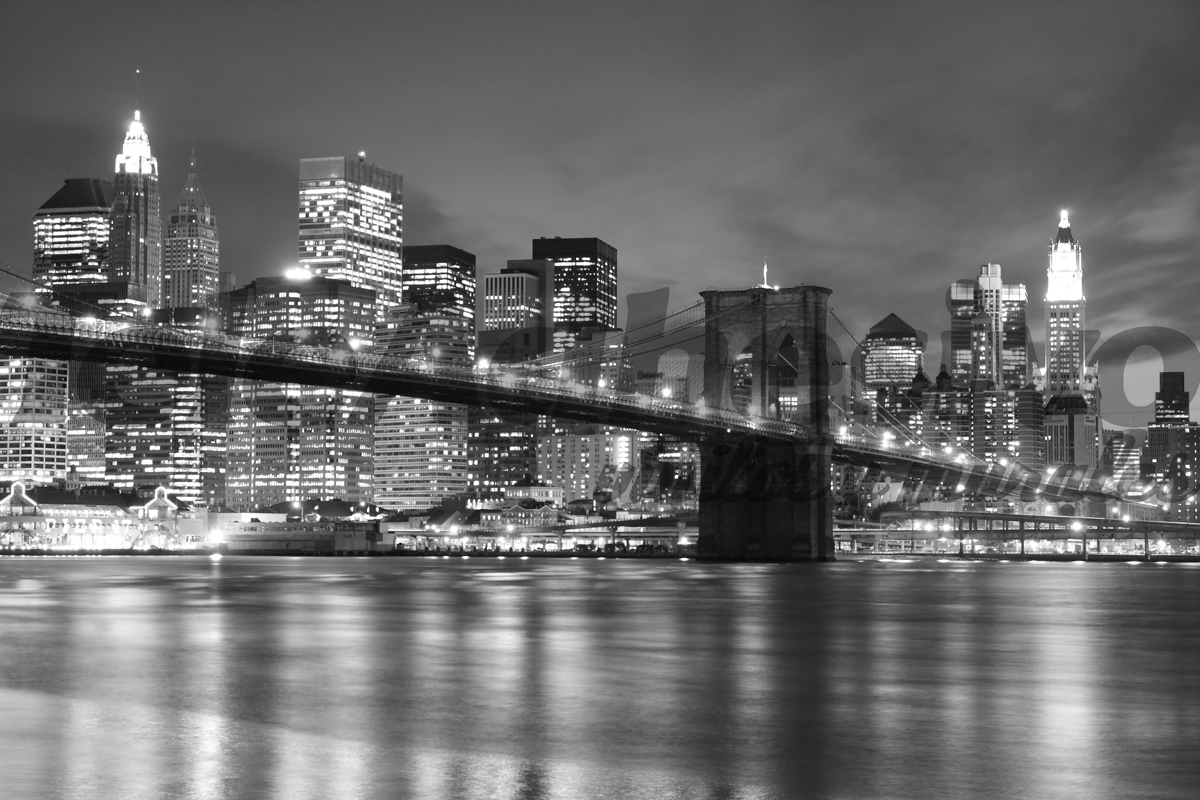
(763, 498)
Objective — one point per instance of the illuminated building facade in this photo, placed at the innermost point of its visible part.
(517, 323)
(1065, 307)
(33, 420)
(1172, 432)
(135, 252)
(71, 234)
(989, 335)
(421, 445)
(288, 442)
(893, 354)
(585, 285)
(352, 223)
(440, 275)
(584, 463)
(191, 273)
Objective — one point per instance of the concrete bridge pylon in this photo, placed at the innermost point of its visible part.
(763, 498)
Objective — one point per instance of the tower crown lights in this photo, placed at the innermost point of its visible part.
(135, 155)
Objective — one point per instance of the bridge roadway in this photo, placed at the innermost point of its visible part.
(49, 334)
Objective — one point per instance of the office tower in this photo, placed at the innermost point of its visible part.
(352, 223)
(516, 325)
(987, 313)
(288, 442)
(135, 252)
(893, 354)
(440, 275)
(421, 445)
(167, 428)
(191, 270)
(518, 311)
(1072, 431)
(1172, 430)
(71, 243)
(585, 285)
(1172, 400)
(1065, 306)
(33, 405)
(71, 234)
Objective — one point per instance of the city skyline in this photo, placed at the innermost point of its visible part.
(767, 152)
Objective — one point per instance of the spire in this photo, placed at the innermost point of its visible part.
(1064, 229)
(192, 195)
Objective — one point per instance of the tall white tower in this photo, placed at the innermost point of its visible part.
(1065, 306)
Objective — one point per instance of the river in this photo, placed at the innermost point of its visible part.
(243, 677)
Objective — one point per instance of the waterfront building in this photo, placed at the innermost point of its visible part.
(352, 224)
(421, 457)
(601, 460)
(287, 442)
(191, 269)
(33, 412)
(71, 234)
(135, 251)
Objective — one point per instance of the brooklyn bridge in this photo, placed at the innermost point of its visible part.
(771, 411)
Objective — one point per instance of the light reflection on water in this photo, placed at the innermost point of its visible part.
(180, 677)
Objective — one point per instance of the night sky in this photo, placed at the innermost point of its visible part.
(883, 150)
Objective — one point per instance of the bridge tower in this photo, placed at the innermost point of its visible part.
(764, 498)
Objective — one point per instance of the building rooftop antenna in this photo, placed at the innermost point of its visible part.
(137, 89)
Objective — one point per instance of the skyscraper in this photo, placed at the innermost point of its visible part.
(33, 410)
(517, 324)
(135, 255)
(585, 285)
(191, 265)
(987, 313)
(71, 234)
(167, 428)
(421, 445)
(287, 442)
(1065, 305)
(352, 223)
(893, 354)
(440, 275)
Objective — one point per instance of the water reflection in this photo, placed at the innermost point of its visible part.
(178, 677)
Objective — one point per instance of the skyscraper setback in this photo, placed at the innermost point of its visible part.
(352, 223)
(135, 256)
(192, 269)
